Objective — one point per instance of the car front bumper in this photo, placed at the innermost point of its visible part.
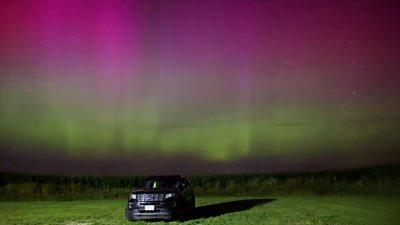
(162, 210)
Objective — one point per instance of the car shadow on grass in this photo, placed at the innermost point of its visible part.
(226, 207)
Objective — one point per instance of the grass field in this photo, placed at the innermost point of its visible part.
(214, 210)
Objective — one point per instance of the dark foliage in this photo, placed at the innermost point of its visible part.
(378, 180)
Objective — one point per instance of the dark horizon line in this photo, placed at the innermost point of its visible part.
(366, 167)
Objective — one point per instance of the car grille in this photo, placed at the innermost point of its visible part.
(150, 197)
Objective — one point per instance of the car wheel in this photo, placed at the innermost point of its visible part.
(128, 215)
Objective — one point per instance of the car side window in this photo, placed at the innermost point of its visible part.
(186, 183)
(177, 184)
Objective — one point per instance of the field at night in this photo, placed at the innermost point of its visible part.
(367, 196)
(328, 210)
(277, 111)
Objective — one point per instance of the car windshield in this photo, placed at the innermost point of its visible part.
(155, 183)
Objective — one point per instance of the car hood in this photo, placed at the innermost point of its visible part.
(156, 190)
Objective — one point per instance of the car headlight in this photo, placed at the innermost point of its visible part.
(133, 196)
(170, 195)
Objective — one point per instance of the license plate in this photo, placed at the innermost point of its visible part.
(149, 207)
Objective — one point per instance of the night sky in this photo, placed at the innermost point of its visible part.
(198, 87)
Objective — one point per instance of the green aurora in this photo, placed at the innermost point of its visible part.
(217, 81)
(65, 121)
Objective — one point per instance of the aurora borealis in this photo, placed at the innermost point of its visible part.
(213, 81)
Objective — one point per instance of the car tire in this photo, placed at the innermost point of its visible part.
(129, 216)
(192, 206)
(188, 212)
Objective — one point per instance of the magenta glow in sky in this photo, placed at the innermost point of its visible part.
(218, 80)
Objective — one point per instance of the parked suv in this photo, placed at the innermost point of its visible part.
(161, 197)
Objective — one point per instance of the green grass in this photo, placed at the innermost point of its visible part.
(284, 210)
